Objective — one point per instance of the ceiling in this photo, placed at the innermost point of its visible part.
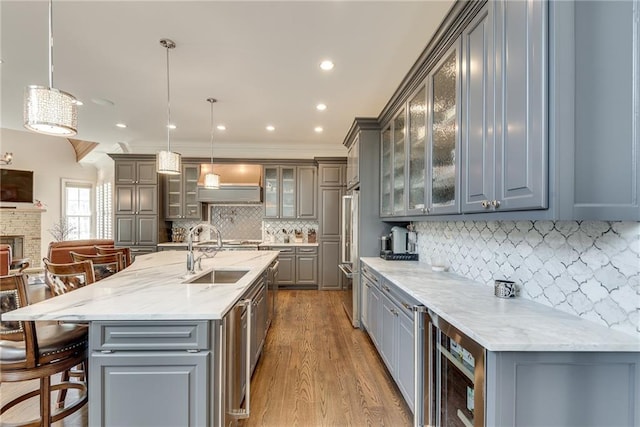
(260, 60)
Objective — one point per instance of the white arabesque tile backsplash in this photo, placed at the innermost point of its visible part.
(587, 268)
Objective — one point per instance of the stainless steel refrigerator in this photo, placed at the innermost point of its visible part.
(350, 264)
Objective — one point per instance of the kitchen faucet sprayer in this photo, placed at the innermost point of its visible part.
(191, 262)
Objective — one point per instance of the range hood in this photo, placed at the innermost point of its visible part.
(239, 183)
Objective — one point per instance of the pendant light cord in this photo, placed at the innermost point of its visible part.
(50, 43)
(168, 105)
(211, 101)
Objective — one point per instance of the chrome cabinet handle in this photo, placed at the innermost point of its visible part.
(485, 204)
(495, 204)
(405, 305)
(386, 288)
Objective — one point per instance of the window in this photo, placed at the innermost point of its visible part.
(103, 211)
(77, 208)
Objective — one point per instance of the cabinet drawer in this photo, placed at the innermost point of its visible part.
(171, 335)
(370, 274)
(400, 298)
(307, 250)
(284, 249)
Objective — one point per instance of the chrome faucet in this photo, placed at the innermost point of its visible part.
(191, 261)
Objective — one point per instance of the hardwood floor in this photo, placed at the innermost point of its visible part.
(315, 370)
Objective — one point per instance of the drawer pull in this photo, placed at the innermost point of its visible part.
(193, 351)
(386, 288)
(405, 305)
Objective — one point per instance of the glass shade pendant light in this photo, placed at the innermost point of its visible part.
(211, 179)
(47, 110)
(168, 162)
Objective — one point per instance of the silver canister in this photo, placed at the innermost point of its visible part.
(504, 289)
(385, 244)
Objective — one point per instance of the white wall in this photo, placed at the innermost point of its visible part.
(51, 159)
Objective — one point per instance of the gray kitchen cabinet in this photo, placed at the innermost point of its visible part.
(331, 174)
(287, 266)
(306, 265)
(386, 172)
(330, 214)
(330, 277)
(478, 168)
(444, 147)
(353, 164)
(181, 194)
(258, 322)
(307, 192)
(405, 375)
(166, 365)
(387, 334)
(280, 192)
(417, 190)
(398, 132)
(138, 220)
(135, 172)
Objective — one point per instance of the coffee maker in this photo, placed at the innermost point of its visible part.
(402, 247)
(399, 237)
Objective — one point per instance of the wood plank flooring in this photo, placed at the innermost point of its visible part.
(315, 370)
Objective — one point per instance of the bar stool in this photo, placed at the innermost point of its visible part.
(63, 278)
(124, 252)
(33, 351)
(103, 265)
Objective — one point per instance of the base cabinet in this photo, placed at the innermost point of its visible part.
(170, 389)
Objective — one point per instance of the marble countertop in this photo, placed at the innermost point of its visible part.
(498, 324)
(153, 288)
(279, 244)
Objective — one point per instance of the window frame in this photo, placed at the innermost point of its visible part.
(79, 183)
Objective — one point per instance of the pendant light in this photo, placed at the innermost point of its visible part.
(168, 162)
(211, 179)
(47, 110)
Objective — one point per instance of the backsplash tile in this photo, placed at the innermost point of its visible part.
(274, 229)
(587, 268)
(234, 222)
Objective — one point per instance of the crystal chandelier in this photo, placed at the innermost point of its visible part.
(168, 162)
(47, 110)
(211, 179)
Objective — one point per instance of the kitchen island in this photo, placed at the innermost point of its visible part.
(160, 347)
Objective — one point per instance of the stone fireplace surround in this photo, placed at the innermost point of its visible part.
(26, 223)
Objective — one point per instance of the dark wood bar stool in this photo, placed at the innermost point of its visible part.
(103, 265)
(31, 351)
(124, 252)
(63, 278)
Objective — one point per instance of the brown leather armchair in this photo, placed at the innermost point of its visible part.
(60, 252)
(7, 263)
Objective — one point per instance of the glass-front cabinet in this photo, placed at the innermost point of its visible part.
(280, 192)
(180, 197)
(417, 151)
(444, 145)
(386, 177)
(399, 158)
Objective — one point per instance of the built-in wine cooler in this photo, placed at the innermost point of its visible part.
(456, 365)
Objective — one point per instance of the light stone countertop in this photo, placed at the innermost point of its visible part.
(279, 244)
(498, 324)
(153, 288)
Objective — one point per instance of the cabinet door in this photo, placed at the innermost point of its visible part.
(330, 274)
(191, 206)
(417, 149)
(170, 389)
(307, 192)
(288, 192)
(521, 102)
(125, 172)
(146, 230)
(330, 215)
(125, 199)
(271, 192)
(125, 230)
(375, 315)
(364, 305)
(477, 171)
(353, 163)
(387, 331)
(173, 197)
(286, 270)
(444, 148)
(147, 199)
(146, 172)
(386, 177)
(405, 374)
(331, 175)
(306, 269)
(399, 156)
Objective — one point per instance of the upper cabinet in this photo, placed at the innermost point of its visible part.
(290, 192)
(181, 194)
(386, 173)
(135, 172)
(353, 164)
(444, 148)
(417, 152)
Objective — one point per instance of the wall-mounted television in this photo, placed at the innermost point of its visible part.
(16, 186)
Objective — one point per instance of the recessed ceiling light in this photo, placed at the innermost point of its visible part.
(270, 128)
(318, 129)
(321, 107)
(327, 65)
(221, 127)
(171, 126)
(121, 125)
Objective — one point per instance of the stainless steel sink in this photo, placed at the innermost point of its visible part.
(215, 276)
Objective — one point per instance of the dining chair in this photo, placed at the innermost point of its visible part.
(63, 278)
(124, 252)
(30, 350)
(103, 265)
